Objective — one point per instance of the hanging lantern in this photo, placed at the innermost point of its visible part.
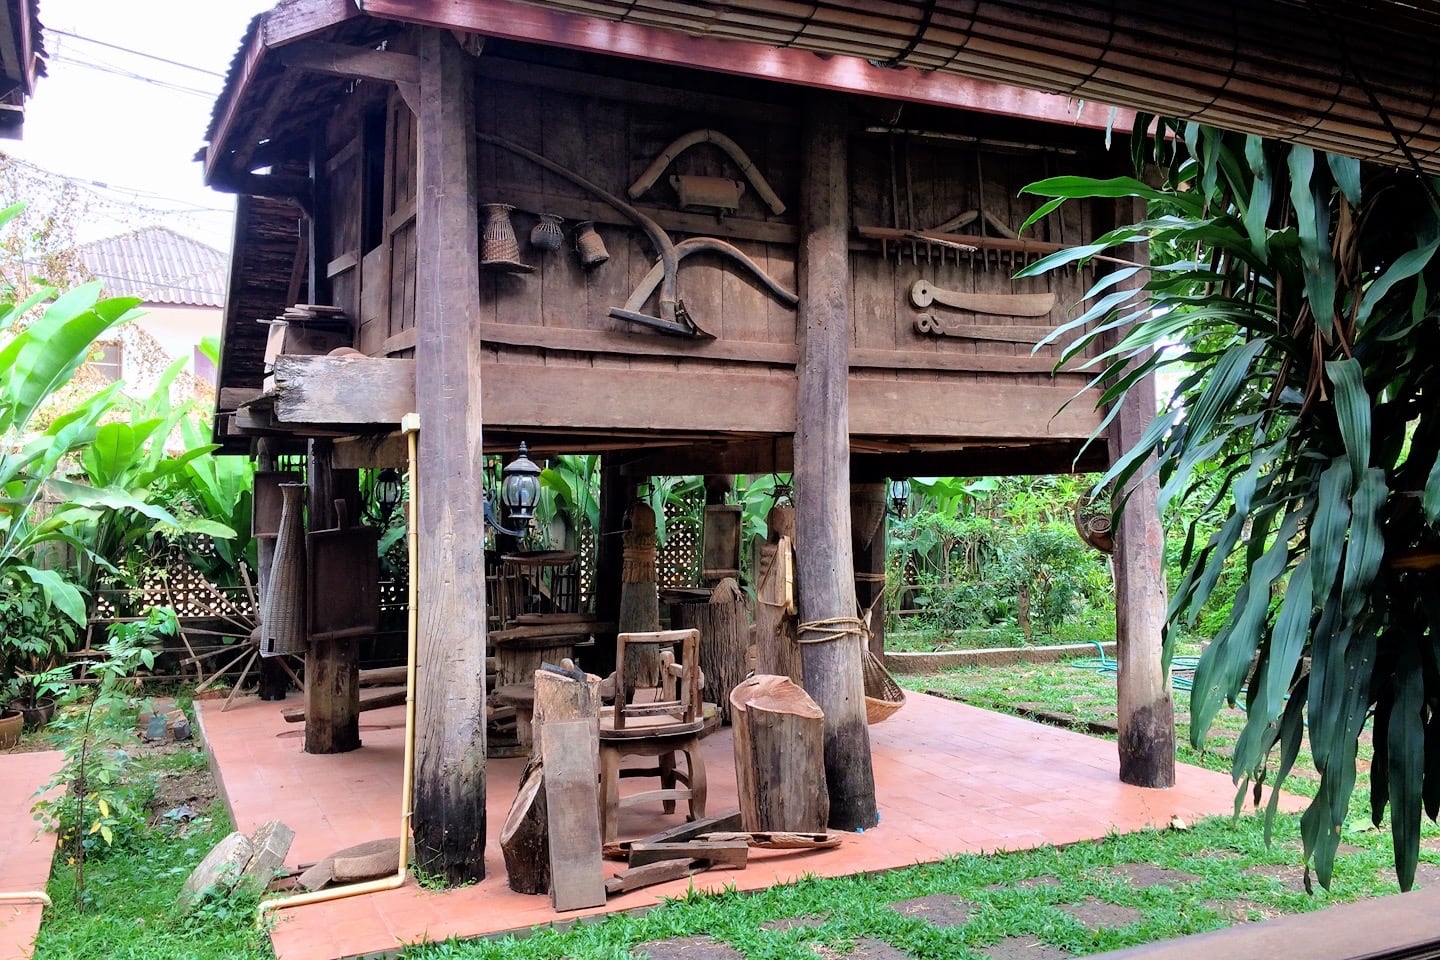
(520, 487)
(387, 493)
(899, 496)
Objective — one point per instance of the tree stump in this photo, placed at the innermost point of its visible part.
(524, 838)
(525, 835)
(779, 756)
(724, 625)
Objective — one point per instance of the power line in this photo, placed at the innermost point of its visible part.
(138, 53)
(131, 75)
(187, 206)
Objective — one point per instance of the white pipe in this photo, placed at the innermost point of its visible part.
(26, 896)
(410, 424)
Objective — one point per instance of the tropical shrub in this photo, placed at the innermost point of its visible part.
(1294, 296)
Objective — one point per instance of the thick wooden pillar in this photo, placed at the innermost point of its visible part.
(868, 503)
(332, 667)
(824, 563)
(1146, 711)
(449, 812)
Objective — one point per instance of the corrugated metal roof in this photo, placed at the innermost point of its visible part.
(158, 265)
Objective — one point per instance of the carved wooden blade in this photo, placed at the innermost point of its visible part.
(999, 304)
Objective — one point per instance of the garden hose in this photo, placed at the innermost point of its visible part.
(1182, 669)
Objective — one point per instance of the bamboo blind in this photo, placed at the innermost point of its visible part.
(1282, 68)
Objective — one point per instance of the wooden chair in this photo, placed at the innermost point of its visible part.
(658, 722)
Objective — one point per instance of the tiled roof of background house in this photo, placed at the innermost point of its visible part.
(158, 265)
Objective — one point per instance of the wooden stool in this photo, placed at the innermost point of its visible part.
(670, 723)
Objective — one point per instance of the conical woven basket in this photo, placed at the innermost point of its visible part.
(282, 621)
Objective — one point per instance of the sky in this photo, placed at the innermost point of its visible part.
(125, 125)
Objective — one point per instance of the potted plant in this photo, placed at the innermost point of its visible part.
(11, 723)
(34, 637)
(33, 695)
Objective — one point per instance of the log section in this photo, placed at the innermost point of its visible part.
(779, 744)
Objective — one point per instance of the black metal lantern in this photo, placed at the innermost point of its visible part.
(520, 487)
(387, 493)
(899, 496)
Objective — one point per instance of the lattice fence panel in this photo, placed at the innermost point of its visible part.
(174, 582)
(585, 544)
(677, 561)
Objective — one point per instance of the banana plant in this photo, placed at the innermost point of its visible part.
(40, 356)
(129, 453)
(1293, 296)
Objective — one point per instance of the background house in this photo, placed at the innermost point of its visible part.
(181, 283)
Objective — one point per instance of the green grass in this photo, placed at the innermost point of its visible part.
(126, 910)
(1217, 852)
(912, 635)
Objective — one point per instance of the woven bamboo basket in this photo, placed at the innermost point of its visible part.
(883, 696)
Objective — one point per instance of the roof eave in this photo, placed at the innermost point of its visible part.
(508, 20)
(287, 22)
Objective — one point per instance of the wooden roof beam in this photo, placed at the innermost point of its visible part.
(289, 22)
(401, 69)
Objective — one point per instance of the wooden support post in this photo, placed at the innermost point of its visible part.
(1146, 711)
(617, 492)
(868, 503)
(824, 564)
(273, 679)
(449, 813)
(332, 667)
(724, 624)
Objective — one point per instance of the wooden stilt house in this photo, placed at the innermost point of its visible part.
(691, 255)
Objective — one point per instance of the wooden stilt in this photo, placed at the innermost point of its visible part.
(617, 492)
(824, 563)
(449, 812)
(1146, 711)
(332, 667)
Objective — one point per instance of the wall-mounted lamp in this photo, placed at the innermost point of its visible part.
(519, 494)
(899, 496)
(386, 494)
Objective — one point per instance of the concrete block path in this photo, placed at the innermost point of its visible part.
(25, 850)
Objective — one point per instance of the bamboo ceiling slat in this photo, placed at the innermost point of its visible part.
(1272, 67)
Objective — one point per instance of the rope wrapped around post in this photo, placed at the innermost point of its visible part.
(831, 629)
(883, 696)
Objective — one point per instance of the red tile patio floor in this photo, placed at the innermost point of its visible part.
(25, 851)
(949, 779)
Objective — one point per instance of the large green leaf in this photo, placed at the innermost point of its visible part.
(1405, 761)
(1313, 222)
(47, 353)
(1352, 410)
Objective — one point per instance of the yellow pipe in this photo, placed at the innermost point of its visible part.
(410, 424)
(26, 896)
